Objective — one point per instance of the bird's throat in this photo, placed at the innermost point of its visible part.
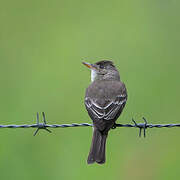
(93, 75)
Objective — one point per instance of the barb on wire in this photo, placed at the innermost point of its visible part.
(142, 126)
(41, 125)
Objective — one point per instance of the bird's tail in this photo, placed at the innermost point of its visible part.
(98, 147)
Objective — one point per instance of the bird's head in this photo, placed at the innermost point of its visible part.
(103, 70)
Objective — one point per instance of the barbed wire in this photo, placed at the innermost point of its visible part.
(142, 126)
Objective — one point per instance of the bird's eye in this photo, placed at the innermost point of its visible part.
(101, 66)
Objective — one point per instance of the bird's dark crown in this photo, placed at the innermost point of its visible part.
(105, 63)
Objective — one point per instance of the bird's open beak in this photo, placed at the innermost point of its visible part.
(90, 66)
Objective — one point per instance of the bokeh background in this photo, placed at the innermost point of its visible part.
(42, 45)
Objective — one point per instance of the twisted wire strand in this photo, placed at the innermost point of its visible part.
(44, 125)
(84, 124)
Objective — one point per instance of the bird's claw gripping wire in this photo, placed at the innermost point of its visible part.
(141, 126)
(41, 125)
(114, 126)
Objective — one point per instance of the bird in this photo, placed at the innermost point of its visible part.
(105, 99)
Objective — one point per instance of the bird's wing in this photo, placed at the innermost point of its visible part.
(105, 109)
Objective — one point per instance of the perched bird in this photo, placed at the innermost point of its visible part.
(105, 99)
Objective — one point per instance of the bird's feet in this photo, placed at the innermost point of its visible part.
(114, 126)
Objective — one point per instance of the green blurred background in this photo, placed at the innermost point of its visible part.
(42, 45)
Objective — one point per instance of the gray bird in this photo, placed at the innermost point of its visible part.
(105, 99)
